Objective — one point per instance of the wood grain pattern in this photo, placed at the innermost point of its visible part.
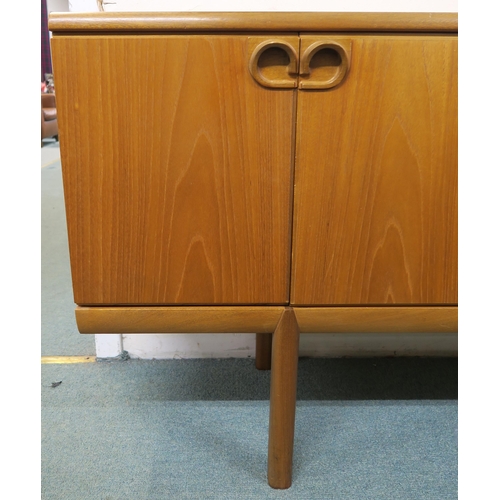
(387, 319)
(375, 209)
(285, 356)
(176, 319)
(253, 21)
(177, 171)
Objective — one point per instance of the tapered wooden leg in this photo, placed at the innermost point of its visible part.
(285, 354)
(263, 343)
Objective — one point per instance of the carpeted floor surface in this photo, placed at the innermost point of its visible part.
(59, 333)
(197, 429)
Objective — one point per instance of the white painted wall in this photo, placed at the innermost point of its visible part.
(243, 345)
(283, 5)
(57, 6)
(264, 5)
(83, 5)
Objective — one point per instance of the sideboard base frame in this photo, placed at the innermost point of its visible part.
(264, 319)
(278, 352)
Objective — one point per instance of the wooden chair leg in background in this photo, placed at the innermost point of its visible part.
(285, 354)
(263, 343)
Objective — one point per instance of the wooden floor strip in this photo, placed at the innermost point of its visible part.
(52, 162)
(61, 360)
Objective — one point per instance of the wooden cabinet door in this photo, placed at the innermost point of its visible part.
(375, 207)
(177, 169)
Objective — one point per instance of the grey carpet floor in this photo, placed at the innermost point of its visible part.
(59, 333)
(197, 429)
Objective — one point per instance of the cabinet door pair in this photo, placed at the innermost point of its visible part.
(190, 180)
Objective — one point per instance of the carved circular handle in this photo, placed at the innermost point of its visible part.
(338, 76)
(291, 69)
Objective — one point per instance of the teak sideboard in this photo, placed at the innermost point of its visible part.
(273, 173)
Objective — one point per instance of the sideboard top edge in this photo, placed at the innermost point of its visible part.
(253, 21)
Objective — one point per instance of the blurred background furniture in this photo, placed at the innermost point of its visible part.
(49, 117)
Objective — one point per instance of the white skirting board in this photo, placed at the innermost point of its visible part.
(182, 346)
(108, 346)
